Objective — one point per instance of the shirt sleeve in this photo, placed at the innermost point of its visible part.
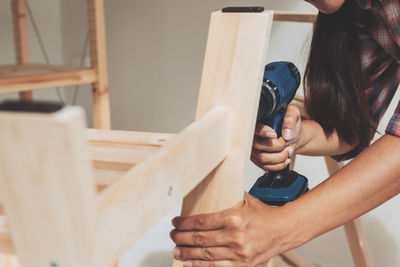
(393, 127)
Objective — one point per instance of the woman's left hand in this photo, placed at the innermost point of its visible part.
(246, 235)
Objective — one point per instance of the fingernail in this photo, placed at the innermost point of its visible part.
(287, 162)
(187, 264)
(271, 134)
(287, 133)
(291, 150)
(176, 252)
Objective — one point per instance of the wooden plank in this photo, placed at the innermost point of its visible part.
(8, 260)
(232, 76)
(17, 78)
(6, 243)
(139, 199)
(98, 57)
(292, 16)
(354, 233)
(21, 45)
(358, 244)
(48, 190)
(113, 153)
(292, 259)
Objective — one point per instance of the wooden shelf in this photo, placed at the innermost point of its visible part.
(291, 16)
(23, 77)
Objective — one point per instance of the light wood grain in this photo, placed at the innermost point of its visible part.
(98, 57)
(291, 16)
(113, 154)
(8, 260)
(140, 198)
(21, 45)
(232, 76)
(48, 190)
(354, 233)
(20, 77)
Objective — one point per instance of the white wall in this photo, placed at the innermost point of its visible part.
(47, 16)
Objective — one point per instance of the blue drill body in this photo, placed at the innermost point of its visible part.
(280, 83)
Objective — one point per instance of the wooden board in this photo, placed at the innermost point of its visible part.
(48, 190)
(21, 44)
(354, 233)
(113, 153)
(98, 58)
(291, 16)
(17, 78)
(129, 207)
(232, 76)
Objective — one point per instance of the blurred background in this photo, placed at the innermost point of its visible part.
(155, 54)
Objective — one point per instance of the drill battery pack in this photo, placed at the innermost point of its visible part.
(277, 191)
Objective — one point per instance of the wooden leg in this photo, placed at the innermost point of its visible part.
(48, 190)
(358, 244)
(8, 260)
(232, 76)
(354, 233)
(98, 57)
(21, 45)
(277, 261)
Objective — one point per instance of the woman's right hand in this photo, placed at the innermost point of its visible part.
(271, 153)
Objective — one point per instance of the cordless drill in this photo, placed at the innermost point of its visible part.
(280, 83)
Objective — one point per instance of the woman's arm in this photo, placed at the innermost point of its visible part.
(304, 137)
(367, 181)
(314, 142)
(252, 232)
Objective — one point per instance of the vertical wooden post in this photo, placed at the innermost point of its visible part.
(232, 76)
(21, 44)
(48, 190)
(355, 235)
(98, 56)
(8, 260)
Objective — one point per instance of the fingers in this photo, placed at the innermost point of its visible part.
(198, 239)
(208, 264)
(201, 222)
(204, 253)
(264, 131)
(268, 144)
(291, 123)
(272, 161)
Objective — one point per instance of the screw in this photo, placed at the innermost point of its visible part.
(170, 191)
(53, 264)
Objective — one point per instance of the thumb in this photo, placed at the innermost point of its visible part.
(290, 123)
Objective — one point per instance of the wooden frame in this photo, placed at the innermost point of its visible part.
(159, 165)
(24, 77)
(59, 211)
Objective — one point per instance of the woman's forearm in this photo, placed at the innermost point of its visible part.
(314, 141)
(369, 180)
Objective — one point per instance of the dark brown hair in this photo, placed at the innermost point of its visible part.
(333, 80)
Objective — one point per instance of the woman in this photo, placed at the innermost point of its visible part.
(352, 74)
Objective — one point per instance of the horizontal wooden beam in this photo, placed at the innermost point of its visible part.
(113, 153)
(17, 78)
(290, 16)
(141, 197)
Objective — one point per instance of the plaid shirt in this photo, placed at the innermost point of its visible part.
(379, 32)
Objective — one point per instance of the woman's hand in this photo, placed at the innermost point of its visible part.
(246, 235)
(271, 153)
